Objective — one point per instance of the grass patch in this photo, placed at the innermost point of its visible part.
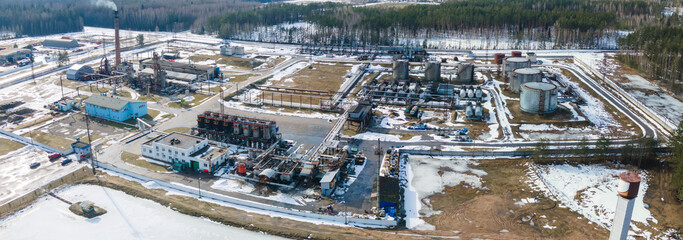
(318, 76)
(198, 99)
(138, 161)
(406, 136)
(7, 146)
(237, 62)
(51, 140)
(494, 208)
(178, 129)
(239, 78)
(149, 98)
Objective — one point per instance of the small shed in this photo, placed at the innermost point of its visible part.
(81, 149)
(78, 71)
(266, 175)
(329, 182)
(66, 104)
(87, 207)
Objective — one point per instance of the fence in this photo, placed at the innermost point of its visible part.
(28, 141)
(22, 201)
(245, 204)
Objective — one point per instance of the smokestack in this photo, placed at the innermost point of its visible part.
(117, 44)
(627, 191)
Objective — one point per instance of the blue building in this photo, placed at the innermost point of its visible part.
(114, 108)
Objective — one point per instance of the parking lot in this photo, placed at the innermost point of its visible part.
(18, 178)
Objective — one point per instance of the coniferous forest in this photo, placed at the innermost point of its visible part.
(44, 17)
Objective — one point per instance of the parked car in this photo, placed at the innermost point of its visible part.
(66, 161)
(34, 164)
(54, 156)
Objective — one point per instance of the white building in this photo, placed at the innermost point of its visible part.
(185, 151)
(232, 50)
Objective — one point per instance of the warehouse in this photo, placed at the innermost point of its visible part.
(60, 43)
(114, 108)
(78, 71)
(12, 55)
(185, 151)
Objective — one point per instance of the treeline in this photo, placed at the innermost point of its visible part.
(38, 18)
(656, 51)
(583, 21)
(43, 17)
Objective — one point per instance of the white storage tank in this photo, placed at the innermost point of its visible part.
(433, 71)
(538, 97)
(521, 76)
(512, 63)
(401, 68)
(478, 112)
(469, 111)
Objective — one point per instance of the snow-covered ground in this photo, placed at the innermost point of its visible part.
(421, 173)
(590, 190)
(17, 177)
(373, 136)
(127, 217)
(234, 185)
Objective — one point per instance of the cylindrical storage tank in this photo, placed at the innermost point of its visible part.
(433, 71)
(465, 73)
(469, 111)
(236, 128)
(516, 54)
(521, 76)
(401, 69)
(498, 58)
(246, 130)
(242, 168)
(512, 63)
(629, 182)
(538, 97)
(478, 112)
(531, 56)
(463, 92)
(478, 93)
(470, 93)
(256, 131)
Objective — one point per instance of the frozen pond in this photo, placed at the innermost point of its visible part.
(127, 217)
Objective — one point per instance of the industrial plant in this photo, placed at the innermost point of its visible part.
(326, 137)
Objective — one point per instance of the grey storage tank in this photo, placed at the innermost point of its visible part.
(521, 76)
(538, 97)
(512, 63)
(465, 73)
(401, 69)
(433, 71)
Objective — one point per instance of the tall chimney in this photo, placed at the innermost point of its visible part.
(116, 38)
(627, 191)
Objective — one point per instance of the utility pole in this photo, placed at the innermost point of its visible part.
(92, 153)
(199, 182)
